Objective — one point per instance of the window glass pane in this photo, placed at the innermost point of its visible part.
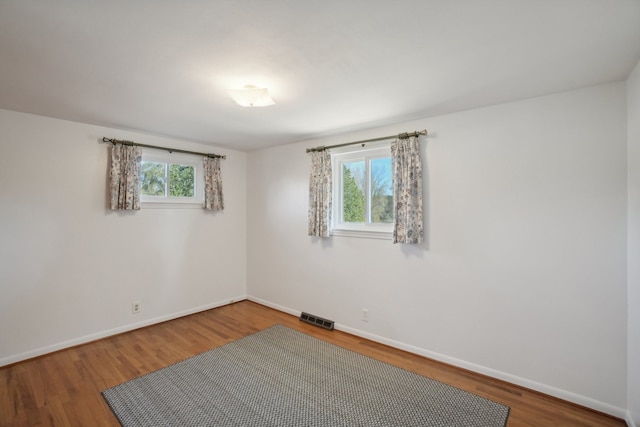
(153, 178)
(381, 191)
(353, 198)
(181, 180)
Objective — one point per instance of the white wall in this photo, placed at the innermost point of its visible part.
(70, 268)
(523, 275)
(633, 122)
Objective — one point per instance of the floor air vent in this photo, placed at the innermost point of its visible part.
(318, 321)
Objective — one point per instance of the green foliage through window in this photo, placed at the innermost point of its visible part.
(367, 182)
(154, 179)
(181, 181)
(353, 194)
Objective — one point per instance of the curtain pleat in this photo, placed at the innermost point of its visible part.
(320, 194)
(213, 197)
(125, 177)
(407, 190)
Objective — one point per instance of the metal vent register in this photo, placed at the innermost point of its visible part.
(318, 321)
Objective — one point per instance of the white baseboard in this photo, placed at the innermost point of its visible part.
(115, 331)
(513, 379)
(629, 420)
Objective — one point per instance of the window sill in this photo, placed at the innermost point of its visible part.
(364, 234)
(169, 205)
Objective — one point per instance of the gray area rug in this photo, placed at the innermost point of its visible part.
(282, 377)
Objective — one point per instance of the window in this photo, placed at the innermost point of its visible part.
(363, 192)
(170, 180)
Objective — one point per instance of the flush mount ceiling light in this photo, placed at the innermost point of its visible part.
(252, 96)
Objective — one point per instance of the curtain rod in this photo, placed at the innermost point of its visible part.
(171, 150)
(400, 135)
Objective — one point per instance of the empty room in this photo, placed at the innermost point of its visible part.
(305, 213)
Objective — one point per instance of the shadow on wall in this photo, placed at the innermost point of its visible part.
(325, 242)
(412, 250)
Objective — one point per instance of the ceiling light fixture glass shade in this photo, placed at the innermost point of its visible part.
(252, 96)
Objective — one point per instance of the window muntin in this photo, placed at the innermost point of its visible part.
(170, 179)
(363, 192)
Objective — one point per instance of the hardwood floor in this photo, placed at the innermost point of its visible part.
(63, 388)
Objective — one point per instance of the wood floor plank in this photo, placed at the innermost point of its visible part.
(63, 388)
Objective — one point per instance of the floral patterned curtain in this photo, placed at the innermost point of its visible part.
(213, 199)
(320, 194)
(407, 190)
(125, 177)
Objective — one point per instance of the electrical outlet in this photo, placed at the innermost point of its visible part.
(135, 308)
(365, 315)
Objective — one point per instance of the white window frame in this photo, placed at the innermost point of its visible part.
(349, 154)
(162, 156)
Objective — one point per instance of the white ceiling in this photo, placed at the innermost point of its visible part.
(164, 66)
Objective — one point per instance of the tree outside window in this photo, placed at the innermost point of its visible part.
(363, 191)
